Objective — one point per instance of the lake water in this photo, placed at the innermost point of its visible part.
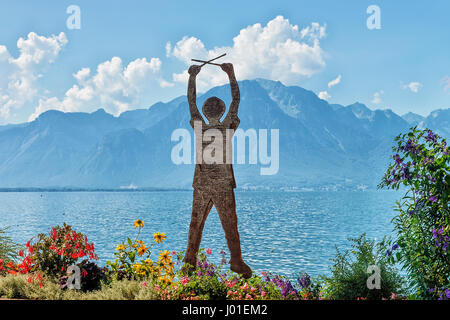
(282, 232)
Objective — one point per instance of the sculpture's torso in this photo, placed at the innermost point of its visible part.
(213, 175)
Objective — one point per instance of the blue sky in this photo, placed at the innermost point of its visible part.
(125, 61)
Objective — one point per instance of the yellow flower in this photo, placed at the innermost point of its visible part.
(169, 266)
(159, 237)
(165, 256)
(121, 247)
(165, 279)
(139, 223)
(141, 251)
(137, 267)
(157, 270)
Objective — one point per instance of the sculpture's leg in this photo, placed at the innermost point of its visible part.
(201, 206)
(226, 207)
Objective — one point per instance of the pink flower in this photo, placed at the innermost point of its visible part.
(144, 284)
(174, 253)
(208, 251)
(184, 280)
(157, 288)
(263, 294)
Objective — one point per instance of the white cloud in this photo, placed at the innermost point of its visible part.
(377, 97)
(165, 84)
(278, 51)
(82, 74)
(18, 76)
(446, 83)
(114, 87)
(324, 95)
(413, 86)
(316, 31)
(334, 82)
(168, 49)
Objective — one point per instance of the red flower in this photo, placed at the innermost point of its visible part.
(20, 253)
(54, 234)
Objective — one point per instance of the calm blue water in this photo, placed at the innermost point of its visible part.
(282, 232)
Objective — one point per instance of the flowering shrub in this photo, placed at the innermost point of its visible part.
(133, 259)
(54, 253)
(421, 164)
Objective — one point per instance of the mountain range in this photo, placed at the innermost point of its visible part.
(321, 145)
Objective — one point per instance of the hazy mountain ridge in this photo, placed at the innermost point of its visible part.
(321, 145)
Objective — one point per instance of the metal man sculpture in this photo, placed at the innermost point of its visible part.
(214, 182)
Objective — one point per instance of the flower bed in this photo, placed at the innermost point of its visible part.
(136, 273)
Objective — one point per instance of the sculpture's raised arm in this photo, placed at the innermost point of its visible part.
(192, 93)
(228, 68)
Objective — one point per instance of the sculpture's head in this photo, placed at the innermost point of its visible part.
(213, 109)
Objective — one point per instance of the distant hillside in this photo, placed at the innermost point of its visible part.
(322, 146)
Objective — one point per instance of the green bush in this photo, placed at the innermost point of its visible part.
(421, 164)
(350, 272)
(8, 249)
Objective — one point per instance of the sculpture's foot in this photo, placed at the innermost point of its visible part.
(242, 269)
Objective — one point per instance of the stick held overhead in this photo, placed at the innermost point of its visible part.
(209, 61)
